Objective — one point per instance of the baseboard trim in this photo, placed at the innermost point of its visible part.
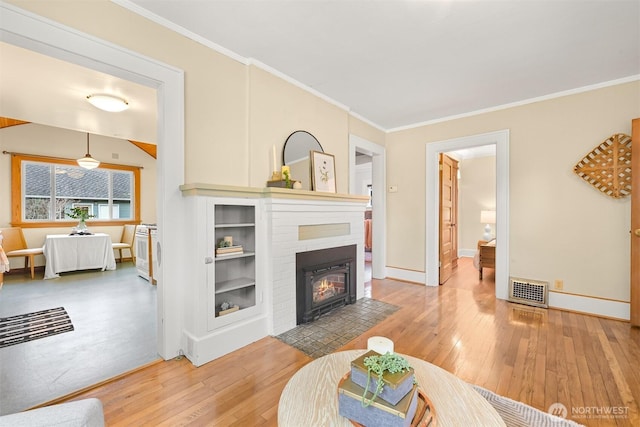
(601, 307)
(222, 341)
(406, 275)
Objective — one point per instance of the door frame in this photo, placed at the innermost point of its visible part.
(42, 35)
(634, 279)
(501, 140)
(379, 201)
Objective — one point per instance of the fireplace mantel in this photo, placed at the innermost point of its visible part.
(214, 190)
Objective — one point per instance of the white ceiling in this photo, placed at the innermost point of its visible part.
(394, 63)
(398, 63)
(41, 89)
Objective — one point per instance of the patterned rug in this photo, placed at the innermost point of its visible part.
(32, 326)
(336, 328)
(517, 414)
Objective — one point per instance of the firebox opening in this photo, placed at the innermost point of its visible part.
(328, 287)
(324, 281)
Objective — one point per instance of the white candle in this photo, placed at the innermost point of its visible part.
(274, 159)
(380, 345)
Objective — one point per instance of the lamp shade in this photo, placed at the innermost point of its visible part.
(488, 217)
(88, 162)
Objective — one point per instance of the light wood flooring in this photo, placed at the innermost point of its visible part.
(536, 356)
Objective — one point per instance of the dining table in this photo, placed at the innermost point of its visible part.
(72, 252)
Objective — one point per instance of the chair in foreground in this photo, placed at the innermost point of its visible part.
(15, 245)
(126, 242)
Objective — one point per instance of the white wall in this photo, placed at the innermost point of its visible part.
(477, 192)
(363, 178)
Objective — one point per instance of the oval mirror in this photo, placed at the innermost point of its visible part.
(295, 154)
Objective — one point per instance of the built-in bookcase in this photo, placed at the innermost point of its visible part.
(234, 272)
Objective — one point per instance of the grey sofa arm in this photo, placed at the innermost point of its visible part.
(81, 413)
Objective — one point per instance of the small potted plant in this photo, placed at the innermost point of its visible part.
(377, 366)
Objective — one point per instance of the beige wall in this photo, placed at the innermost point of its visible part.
(560, 227)
(366, 131)
(49, 141)
(216, 102)
(278, 108)
(234, 113)
(477, 192)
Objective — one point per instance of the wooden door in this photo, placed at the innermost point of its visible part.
(448, 168)
(635, 223)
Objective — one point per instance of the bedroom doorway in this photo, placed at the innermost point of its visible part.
(500, 139)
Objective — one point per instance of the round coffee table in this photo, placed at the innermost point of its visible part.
(311, 395)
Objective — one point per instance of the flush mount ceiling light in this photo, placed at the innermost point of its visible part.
(110, 103)
(87, 161)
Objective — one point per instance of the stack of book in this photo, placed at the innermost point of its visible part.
(395, 406)
(229, 250)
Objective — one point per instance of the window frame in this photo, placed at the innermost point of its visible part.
(17, 196)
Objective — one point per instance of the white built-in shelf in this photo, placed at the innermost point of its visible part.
(234, 256)
(248, 224)
(231, 285)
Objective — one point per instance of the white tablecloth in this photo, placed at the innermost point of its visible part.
(70, 253)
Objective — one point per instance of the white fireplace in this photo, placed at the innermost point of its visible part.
(282, 223)
(301, 225)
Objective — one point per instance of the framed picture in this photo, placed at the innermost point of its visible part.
(323, 172)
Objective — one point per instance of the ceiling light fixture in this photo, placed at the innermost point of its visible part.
(110, 103)
(87, 161)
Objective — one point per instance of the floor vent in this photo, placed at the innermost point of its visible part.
(530, 292)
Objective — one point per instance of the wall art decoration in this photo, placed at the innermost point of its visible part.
(323, 173)
(608, 166)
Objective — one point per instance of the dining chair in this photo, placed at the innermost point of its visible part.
(126, 241)
(15, 245)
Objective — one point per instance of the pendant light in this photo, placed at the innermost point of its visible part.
(87, 161)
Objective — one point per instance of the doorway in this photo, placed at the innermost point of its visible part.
(501, 141)
(378, 199)
(29, 31)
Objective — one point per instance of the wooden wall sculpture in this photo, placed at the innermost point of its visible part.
(608, 166)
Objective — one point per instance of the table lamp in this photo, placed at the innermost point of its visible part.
(487, 218)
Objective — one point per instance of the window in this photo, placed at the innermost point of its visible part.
(44, 189)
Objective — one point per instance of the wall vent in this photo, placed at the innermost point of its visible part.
(530, 292)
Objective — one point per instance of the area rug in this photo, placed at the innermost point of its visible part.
(518, 414)
(336, 328)
(32, 326)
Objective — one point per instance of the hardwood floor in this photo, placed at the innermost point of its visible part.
(533, 355)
